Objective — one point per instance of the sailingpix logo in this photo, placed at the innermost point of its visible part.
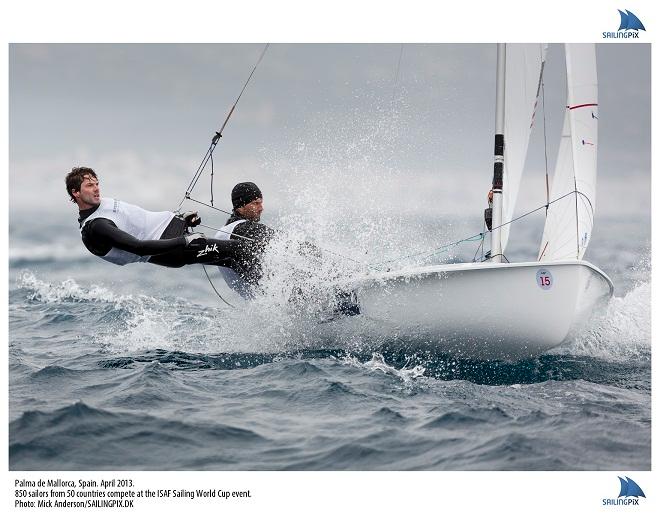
(628, 28)
(629, 494)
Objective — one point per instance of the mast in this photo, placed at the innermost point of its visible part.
(498, 167)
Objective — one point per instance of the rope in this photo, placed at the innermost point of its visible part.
(209, 157)
(214, 289)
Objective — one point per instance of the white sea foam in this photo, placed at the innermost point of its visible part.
(67, 290)
(142, 321)
(377, 364)
(622, 332)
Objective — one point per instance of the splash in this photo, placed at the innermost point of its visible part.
(136, 323)
(68, 290)
(352, 190)
(115, 322)
(377, 364)
(622, 332)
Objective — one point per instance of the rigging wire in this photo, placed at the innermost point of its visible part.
(424, 255)
(545, 149)
(475, 237)
(214, 141)
(211, 179)
(208, 205)
(481, 245)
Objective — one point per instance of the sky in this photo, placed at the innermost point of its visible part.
(402, 127)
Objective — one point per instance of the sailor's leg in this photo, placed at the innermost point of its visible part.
(216, 252)
(172, 259)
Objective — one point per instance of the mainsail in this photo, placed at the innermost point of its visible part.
(570, 218)
(524, 67)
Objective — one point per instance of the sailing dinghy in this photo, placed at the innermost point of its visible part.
(530, 307)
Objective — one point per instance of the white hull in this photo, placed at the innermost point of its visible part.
(480, 310)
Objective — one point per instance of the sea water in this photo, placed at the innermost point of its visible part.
(144, 368)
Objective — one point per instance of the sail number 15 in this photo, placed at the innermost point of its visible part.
(544, 279)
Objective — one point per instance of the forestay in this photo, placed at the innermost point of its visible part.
(570, 220)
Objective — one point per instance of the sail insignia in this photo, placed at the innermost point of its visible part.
(629, 21)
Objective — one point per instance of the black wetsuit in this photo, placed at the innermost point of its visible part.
(101, 235)
(252, 238)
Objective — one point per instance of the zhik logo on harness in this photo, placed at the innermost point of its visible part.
(629, 494)
(208, 249)
(629, 23)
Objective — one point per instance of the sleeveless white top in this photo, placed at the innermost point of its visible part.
(134, 220)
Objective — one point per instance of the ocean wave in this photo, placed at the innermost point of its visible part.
(468, 418)
(53, 372)
(138, 322)
(121, 322)
(67, 290)
(56, 440)
(412, 368)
